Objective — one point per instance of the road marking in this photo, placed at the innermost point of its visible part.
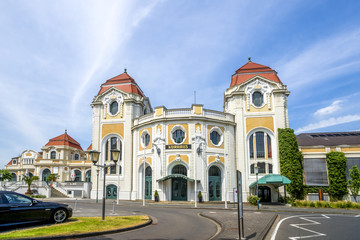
(312, 222)
(281, 221)
(212, 212)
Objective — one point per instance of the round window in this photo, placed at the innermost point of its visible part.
(114, 106)
(178, 136)
(257, 99)
(215, 137)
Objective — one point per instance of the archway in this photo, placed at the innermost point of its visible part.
(88, 176)
(148, 182)
(214, 184)
(77, 176)
(179, 185)
(13, 177)
(45, 173)
(111, 191)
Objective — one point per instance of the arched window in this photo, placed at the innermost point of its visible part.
(261, 167)
(112, 144)
(257, 99)
(88, 176)
(179, 169)
(13, 177)
(114, 107)
(214, 171)
(215, 137)
(148, 172)
(262, 148)
(77, 176)
(77, 156)
(145, 139)
(52, 155)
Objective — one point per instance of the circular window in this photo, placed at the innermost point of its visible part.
(178, 135)
(114, 107)
(216, 136)
(257, 99)
(145, 139)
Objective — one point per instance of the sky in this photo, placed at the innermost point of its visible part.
(54, 55)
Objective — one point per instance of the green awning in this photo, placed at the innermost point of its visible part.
(274, 179)
(175, 176)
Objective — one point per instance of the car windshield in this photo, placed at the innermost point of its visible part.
(14, 198)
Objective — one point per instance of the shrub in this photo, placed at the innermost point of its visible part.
(253, 200)
(354, 182)
(326, 204)
(291, 162)
(37, 196)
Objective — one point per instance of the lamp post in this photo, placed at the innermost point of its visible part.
(144, 163)
(94, 155)
(97, 185)
(257, 185)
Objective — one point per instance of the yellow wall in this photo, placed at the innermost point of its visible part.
(185, 158)
(213, 158)
(148, 160)
(210, 144)
(255, 122)
(350, 149)
(159, 111)
(150, 133)
(198, 125)
(197, 110)
(307, 150)
(113, 128)
(185, 126)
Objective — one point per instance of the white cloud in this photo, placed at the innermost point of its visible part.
(335, 106)
(328, 123)
(328, 57)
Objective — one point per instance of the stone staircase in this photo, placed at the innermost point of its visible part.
(57, 194)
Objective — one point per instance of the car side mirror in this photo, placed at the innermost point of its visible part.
(34, 201)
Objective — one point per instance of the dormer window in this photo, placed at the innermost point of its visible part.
(77, 156)
(114, 108)
(52, 155)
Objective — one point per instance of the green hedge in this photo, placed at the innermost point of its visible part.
(326, 204)
(291, 162)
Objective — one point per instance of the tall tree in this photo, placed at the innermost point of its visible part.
(354, 182)
(291, 162)
(336, 163)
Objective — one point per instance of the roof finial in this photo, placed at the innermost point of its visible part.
(124, 70)
(249, 59)
(65, 131)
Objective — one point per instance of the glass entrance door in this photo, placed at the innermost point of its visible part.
(179, 189)
(264, 194)
(111, 192)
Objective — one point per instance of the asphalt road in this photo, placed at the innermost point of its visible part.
(317, 226)
(170, 223)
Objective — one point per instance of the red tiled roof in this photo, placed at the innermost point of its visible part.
(250, 70)
(10, 163)
(64, 140)
(89, 148)
(122, 82)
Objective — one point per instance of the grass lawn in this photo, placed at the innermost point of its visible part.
(78, 225)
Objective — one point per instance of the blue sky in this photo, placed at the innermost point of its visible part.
(54, 55)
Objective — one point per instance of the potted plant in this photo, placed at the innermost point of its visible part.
(156, 196)
(200, 197)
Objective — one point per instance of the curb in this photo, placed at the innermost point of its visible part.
(92, 234)
(217, 222)
(267, 228)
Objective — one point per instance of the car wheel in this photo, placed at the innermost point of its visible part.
(59, 215)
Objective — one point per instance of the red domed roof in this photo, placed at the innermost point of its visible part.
(64, 140)
(123, 82)
(250, 70)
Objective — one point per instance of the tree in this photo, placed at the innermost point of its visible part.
(354, 182)
(336, 163)
(291, 162)
(5, 175)
(28, 180)
(51, 178)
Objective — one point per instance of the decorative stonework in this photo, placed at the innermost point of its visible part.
(111, 97)
(258, 86)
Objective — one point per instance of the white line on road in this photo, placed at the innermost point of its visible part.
(281, 221)
(312, 222)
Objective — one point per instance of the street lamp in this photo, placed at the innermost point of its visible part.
(257, 184)
(94, 155)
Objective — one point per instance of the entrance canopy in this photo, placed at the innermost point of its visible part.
(273, 179)
(175, 176)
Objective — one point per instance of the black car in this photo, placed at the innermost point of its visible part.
(16, 208)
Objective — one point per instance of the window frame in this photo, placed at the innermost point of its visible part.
(218, 131)
(110, 108)
(173, 130)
